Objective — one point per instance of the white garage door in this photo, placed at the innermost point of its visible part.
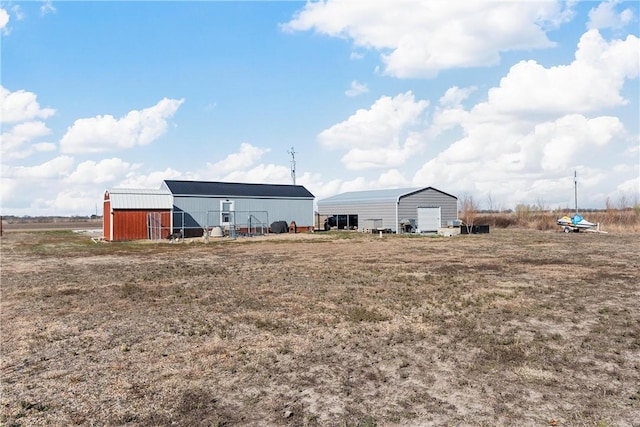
(428, 219)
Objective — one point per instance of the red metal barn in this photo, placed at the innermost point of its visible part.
(133, 214)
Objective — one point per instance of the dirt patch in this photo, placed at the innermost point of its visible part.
(510, 328)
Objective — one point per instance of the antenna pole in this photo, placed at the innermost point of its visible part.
(293, 165)
(575, 189)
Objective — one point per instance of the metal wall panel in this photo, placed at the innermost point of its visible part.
(429, 198)
(386, 210)
(128, 198)
(196, 209)
(365, 210)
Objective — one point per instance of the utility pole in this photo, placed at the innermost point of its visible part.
(575, 189)
(293, 165)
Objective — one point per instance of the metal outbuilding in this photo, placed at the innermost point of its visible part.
(398, 210)
(131, 214)
(245, 208)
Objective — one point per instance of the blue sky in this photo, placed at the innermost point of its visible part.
(494, 100)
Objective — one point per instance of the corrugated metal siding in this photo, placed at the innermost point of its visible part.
(386, 211)
(126, 198)
(381, 206)
(196, 208)
(300, 211)
(132, 224)
(369, 196)
(429, 197)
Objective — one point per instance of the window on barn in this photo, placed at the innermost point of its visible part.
(226, 212)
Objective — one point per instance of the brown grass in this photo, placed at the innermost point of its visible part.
(613, 220)
(517, 327)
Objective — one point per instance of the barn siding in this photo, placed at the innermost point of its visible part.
(132, 224)
(106, 219)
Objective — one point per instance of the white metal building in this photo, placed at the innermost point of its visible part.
(399, 210)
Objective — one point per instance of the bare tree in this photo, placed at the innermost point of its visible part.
(541, 206)
(490, 203)
(468, 211)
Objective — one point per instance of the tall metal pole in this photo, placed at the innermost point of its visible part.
(575, 189)
(293, 165)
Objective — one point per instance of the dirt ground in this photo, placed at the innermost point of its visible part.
(511, 328)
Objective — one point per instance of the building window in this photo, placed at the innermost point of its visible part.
(226, 212)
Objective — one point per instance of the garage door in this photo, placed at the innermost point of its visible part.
(428, 219)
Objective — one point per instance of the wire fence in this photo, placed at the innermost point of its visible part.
(216, 223)
(156, 229)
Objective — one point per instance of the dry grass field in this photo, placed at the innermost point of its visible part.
(512, 328)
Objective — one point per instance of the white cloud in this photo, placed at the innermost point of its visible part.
(454, 96)
(18, 142)
(4, 19)
(630, 189)
(44, 147)
(52, 169)
(516, 165)
(17, 12)
(393, 178)
(104, 171)
(14, 139)
(591, 82)
(533, 130)
(29, 151)
(21, 106)
(380, 136)
(563, 140)
(274, 174)
(356, 89)
(247, 156)
(446, 119)
(236, 167)
(605, 16)
(78, 201)
(106, 133)
(426, 37)
(47, 7)
(243, 166)
(530, 93)
(151, 180)
(392, 156)
(373, 137)
(8, 187)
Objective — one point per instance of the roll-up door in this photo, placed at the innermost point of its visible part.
(429, 219)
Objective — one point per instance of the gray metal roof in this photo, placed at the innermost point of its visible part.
(387, 195)
(369, 196)
(140, 198)
(234, 189)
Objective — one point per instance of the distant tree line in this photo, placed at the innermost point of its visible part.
(26, 219)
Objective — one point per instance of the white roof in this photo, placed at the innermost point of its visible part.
(140, 198)
(368, 196)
